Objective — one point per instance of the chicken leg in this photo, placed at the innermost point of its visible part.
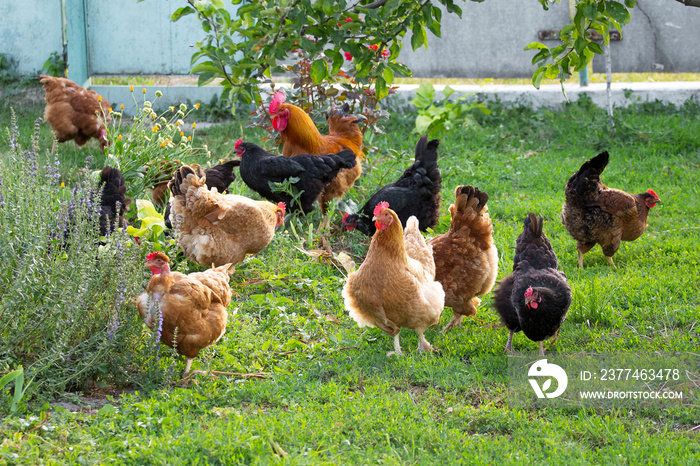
(509, 344)
(423, 345)
(397, 348)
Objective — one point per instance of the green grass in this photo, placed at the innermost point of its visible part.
(332, 397)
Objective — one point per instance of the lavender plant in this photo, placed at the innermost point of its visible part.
(66, 309)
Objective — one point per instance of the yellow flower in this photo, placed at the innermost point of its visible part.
(182, 133)
(131, 88)
(172, 108)
(63, 185)
(156, 128)
(121, 107)
(144, 90)
(162, 144)
(194, 124)
(196, 105)
(119, 137)
(99, 98)
(189, 138)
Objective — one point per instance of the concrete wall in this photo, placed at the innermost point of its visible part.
(139, 38)
(30, 31)
(488, 42)
(126, 37)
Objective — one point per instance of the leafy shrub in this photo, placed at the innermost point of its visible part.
(443, 115)
(66, 300)
(150, 140)
(55, 65)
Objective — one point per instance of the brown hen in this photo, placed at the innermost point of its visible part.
(193, 308)
(595, 214)
(75, 113)
(466, 258)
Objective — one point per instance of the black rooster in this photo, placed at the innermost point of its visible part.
(259, 168)
(536, 296)
(416, 192)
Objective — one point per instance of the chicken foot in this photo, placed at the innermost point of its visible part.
(456, 321)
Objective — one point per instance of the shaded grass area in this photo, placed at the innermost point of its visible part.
(331, 396)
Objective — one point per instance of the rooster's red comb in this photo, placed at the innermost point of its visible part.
(282, 206)
(528, 293)
(381, 206)
(277, 99)
(238, 143)
(651, 191)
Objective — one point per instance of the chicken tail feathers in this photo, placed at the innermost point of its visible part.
(585, 183)
(534, 223)
(346, 158)
(180, 178)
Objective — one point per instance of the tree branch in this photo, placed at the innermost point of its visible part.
(690, 2)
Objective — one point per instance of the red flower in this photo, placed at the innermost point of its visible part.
(385, 53)
(348, 56)
(374, 47)
(348, 20)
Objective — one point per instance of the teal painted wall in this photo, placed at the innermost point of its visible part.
(139, 38)
(29, 31)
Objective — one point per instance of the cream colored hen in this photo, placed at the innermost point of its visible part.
(217, 229)
(395, 286)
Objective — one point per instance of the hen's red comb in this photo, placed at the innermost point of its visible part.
(238, 143)
(528, 293)
(277, 99)
(651, 191)
(151, 256)
(381, 206)
(282, 205)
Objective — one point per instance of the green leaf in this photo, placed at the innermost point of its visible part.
(595, 48)
(338, 60)
(536, 45)
(419, 38)
(423, 122)
(590, 11)
(618, 12)
(319, 71)
(537, 77)
(388, 75)
(380, 88)
(180, 12)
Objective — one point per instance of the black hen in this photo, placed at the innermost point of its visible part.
(113, 201)
(535, 298)
(259, 168)
(220, 177)
(416, 192)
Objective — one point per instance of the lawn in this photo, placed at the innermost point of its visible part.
(309, 386)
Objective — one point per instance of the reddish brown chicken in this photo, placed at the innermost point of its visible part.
(595, 214)
(300, 136)
(466, 258)
(75, 113)
(193, 308)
